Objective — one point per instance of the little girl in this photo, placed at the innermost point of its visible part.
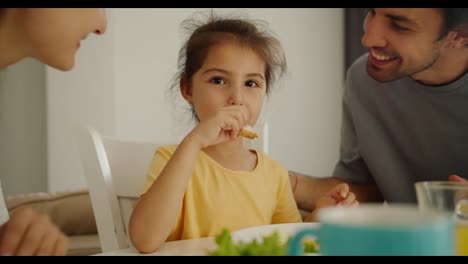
(210, 181)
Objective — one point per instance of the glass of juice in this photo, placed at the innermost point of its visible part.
(451, 197)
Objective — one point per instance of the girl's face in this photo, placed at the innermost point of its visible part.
(230, 75)
(53, 35)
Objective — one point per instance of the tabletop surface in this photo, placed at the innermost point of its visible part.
(189, 247)
(202, 246)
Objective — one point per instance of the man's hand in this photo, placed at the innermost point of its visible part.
(338, 196)
(456, 178)
(30, 233)
(461, 197)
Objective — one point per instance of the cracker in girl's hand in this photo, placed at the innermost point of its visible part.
(248, 132)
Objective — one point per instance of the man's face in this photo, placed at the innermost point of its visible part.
(401, 41)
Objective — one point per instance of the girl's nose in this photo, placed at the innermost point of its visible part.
(236, 97)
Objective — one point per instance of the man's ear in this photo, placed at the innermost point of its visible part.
(458, 38)
(186, 89)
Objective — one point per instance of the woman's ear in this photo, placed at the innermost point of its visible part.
(186, 90)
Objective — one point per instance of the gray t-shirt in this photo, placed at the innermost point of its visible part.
(3, 210)
(401, 132)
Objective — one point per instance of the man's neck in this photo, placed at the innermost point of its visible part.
(449, 67)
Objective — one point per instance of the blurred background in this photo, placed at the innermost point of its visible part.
(120, 86)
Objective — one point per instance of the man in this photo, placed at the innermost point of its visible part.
(51, 35)
(405, 107)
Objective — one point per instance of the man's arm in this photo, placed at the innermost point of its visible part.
(307, 190)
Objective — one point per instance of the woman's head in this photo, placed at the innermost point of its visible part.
(206, 59)
(53, 35)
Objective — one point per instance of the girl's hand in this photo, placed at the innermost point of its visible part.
(338, 196)
(221, 127)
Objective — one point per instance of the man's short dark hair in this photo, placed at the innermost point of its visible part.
(454, 17)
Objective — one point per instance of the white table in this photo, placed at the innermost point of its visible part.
(189, 247)
(202, 246)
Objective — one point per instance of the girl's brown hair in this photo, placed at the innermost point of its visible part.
(205, 35)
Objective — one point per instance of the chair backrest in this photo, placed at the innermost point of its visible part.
(115, 172)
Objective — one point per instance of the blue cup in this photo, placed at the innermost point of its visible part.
(376, 230)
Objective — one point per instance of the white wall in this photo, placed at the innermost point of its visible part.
(309, 100)
(121, 80)
(145, 48)
(23, 154)
(83, 96)
(304, 115)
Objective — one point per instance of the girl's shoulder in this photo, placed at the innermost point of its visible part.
(168, 147)
(271, 163)
(166, 150)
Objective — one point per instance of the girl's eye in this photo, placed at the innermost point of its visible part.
(217, 80)
(251, 84)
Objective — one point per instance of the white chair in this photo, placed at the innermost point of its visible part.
(115, 172)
